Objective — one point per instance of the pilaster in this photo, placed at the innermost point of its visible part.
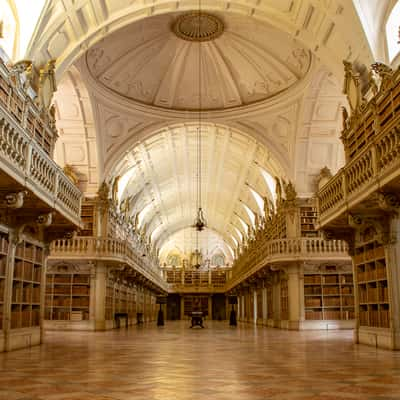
(99, 285)
(13, 240)
(295, 295)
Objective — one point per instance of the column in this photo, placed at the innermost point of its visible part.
(12, 245)
(295, 296)
(99, 285)
(209, 307)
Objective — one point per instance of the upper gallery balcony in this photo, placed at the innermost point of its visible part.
(371, 137)
(118, 253)
(30, 181)
(287, 237)
(108, 236)
(181, 280)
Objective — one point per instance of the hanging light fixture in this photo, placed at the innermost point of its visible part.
(200, 221)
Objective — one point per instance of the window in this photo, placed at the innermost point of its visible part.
(392, 32)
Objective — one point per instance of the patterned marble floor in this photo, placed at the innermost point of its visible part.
(216, 363)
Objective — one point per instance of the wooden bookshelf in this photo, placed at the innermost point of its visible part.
(109, 301)
(284, 300)
(121, 297)
(88, 218)
(195, 303)
(270, 309)
(26, 286)
(372, 286)
(67, 297)
(276, 227)
(329, 294)
(218, 278)
(3, 264)
(308, 221)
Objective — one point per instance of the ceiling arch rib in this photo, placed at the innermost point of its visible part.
(77, 143)
(66, 28)
(163, 187)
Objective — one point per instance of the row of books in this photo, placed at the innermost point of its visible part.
(26, 294)
(25, 318)
(27, 271)
(373, 294)
(375, 318)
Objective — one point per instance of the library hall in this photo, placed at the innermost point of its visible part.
(199, 199)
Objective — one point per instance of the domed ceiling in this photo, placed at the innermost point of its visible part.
(157, 61)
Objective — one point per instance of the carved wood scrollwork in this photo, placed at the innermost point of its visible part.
(371, 228)
(15, 200)
(388, 202)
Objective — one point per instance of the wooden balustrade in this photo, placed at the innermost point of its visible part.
(24, 160)
(288, 250)
(375, 166)
(372, 145)
(105, 248)
(181, 277)
(18, 106)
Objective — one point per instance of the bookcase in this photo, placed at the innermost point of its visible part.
(67, 296)
(308, 220)
(329, 294)
(372, 286)
(284, 301)
(26, 286)
(121, 297)
(109, 301)
(270, 304)
(88, 217)
(218, 278)
(276, 227)
(195, 303)
(3, 264)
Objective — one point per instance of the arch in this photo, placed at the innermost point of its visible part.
(65, 32)
(77, 144)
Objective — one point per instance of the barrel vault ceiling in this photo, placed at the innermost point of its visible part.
(128, 107)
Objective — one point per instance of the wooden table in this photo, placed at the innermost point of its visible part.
(197, 319)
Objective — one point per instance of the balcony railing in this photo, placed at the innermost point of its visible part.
(286, 250)
(180, 279)
(26, 162)
(108, 250)
(19, 106)
(375, 166)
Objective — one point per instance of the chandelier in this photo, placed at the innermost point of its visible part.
(200, 221)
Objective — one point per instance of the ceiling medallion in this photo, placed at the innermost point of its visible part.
(198, 26)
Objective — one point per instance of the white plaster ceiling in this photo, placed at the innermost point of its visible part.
(208, 243)
(77, 144)
(159, 176)
(330, 28)
(149, 63)
(292, 134)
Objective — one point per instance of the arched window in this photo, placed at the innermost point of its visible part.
(18, 20)
(174, 260)
(218, 260)
(8, 28)
(392, 32)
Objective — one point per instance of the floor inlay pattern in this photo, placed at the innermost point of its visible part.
(218, 363)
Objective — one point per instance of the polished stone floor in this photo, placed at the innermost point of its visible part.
(216, 363)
